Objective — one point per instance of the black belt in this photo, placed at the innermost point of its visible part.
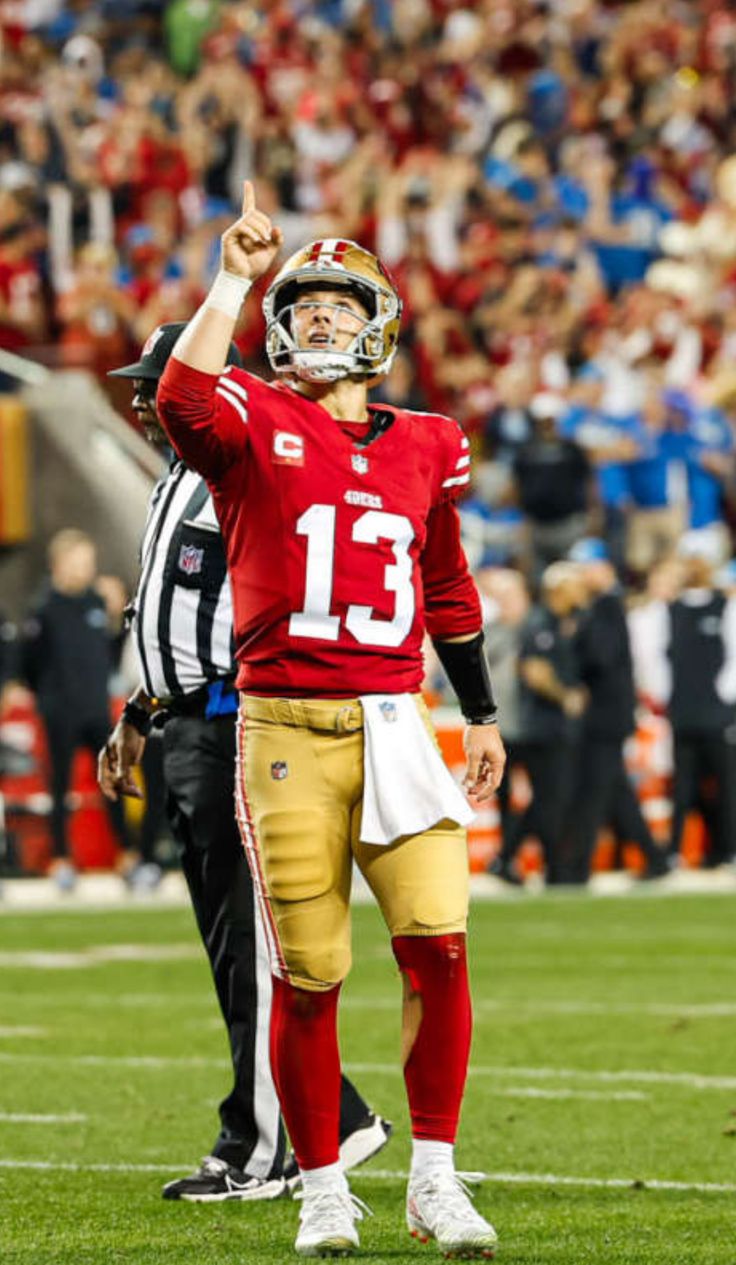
(194, 704)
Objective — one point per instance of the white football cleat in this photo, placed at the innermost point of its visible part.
(327, 1223)
(438, 1207)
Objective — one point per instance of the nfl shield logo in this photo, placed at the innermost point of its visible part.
(279, 770)
(388, 711)
(359, 463)
(190, 559)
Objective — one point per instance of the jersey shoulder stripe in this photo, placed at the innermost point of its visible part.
(454, 445)
(225, 393)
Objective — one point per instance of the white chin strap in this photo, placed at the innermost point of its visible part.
(322, 366)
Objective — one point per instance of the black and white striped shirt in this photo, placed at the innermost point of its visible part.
(183, 621)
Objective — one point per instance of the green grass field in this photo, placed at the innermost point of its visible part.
(604, 1061)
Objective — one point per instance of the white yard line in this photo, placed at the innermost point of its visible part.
(17, 1030)
(391, 1175)
(22, 1117)
(591, 1095)
(45, 960)
(116, 1060)
(67, 1167)
(690, 1080)
(536, 1005)
(555, 1179)
(725, 1009)
(529, 1006)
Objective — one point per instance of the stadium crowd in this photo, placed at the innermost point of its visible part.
(551, 184)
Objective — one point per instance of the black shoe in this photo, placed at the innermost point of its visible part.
(365, 1141)
(656, 867)
(504, 870)
(215, 1181)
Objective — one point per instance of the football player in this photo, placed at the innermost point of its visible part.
(343, 546)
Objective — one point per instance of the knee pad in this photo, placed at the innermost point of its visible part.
(315, 959)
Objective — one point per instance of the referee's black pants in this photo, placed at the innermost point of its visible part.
(605, 796)
(199, 770)
(704, 779)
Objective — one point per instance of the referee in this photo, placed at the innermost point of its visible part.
(182, 626)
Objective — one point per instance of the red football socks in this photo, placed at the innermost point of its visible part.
(437, 970)
(305, 1063)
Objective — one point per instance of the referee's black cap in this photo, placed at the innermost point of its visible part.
(156, 351)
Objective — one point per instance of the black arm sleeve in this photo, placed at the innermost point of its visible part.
(467, 670)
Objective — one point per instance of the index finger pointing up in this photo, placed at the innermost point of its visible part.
(249, 197)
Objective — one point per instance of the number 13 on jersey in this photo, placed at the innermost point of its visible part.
(318, 524)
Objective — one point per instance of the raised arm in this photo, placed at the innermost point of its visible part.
(204, 414)
(248, 248)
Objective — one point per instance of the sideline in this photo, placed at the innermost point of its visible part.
(107, 891)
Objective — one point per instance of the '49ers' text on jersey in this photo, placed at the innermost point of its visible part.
(340, 555)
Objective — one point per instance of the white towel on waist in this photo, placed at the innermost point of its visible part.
(407, 785)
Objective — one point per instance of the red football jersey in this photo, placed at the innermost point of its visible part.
(339, 555)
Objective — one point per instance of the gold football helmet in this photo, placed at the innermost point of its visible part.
(332, 264)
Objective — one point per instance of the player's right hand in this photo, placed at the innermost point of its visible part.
(250, 245)
(122, 751)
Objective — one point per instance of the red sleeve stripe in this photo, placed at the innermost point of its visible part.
(234, 402)
(463, 461)
(461, 478)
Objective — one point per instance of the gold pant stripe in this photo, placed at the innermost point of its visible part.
(250, 845)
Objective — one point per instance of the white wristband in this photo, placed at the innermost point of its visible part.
(227, 293)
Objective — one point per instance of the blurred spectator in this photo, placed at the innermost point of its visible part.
(493, 529)
(658, 481)
(710, 469)
(552, 702)
(697, 682)
(609, 443)
(604, 795)
(504, 633)
(645, 617)
(95, 314)
(552, 477)
(66, 658)
(22, 319)
(510, 424)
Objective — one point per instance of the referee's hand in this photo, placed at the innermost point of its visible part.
(116, 761)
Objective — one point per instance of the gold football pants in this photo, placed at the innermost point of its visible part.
(299, 802)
